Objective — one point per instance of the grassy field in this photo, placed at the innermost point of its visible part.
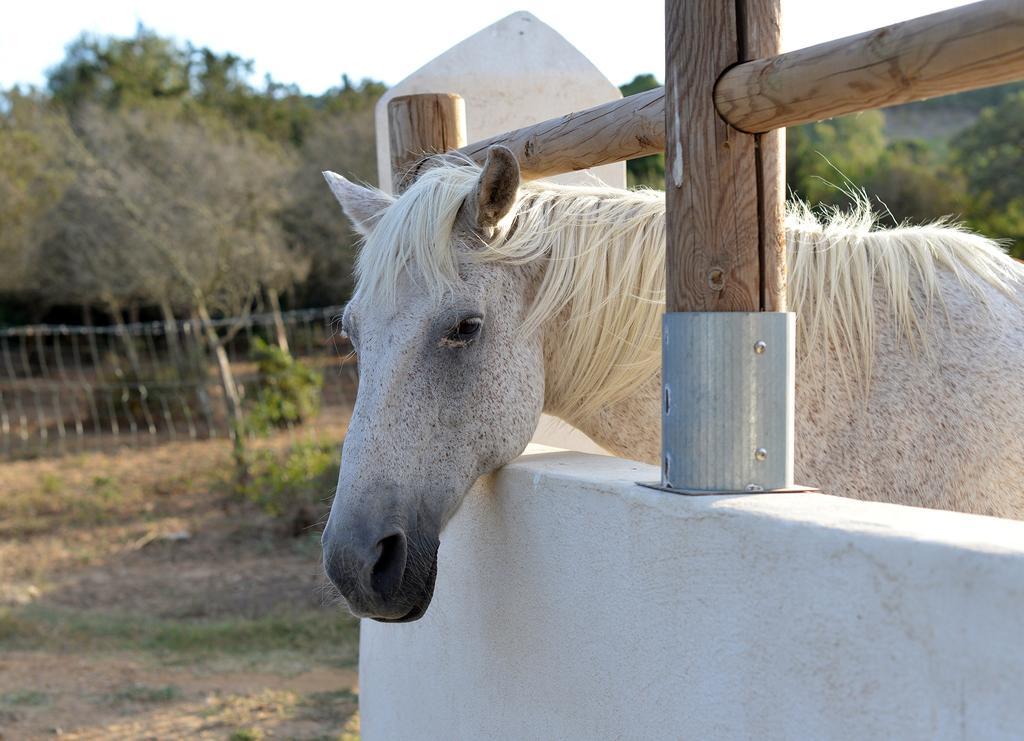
(143, 596)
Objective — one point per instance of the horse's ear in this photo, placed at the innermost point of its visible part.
(363, 206)
(498, 185)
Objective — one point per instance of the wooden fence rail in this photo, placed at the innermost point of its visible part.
(960, 49)
(965, 48)
(620, 130)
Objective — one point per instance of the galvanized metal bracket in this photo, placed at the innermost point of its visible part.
(795, 489)
(728, 383)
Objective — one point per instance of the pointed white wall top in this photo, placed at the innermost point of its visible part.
(515, 72)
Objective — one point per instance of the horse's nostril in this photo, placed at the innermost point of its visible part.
(387, 572)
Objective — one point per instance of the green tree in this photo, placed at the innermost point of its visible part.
(117, 72)
(914, 183)
(991, 155)
(33, 175)
(112, 72)
(148, 76)
(644, 171)
(342, 141)
(824, 158)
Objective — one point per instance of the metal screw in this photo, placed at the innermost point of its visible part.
(760, 346)
(754, 487)
(761, 454)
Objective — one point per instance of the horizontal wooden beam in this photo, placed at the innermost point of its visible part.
(969, 47)
(961, 49)
(620, 130)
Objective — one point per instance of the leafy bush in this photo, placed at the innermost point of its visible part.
(297, 488)
(287, 392)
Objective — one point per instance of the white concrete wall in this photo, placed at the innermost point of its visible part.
(573, 604)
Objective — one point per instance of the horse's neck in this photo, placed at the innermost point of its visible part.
(629, 428)
(628, 423)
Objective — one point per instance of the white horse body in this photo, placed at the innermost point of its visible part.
(939, 424)
(482, 300)
(909, 340)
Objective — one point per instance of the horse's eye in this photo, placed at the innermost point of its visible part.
(464, 332)
(470, 327)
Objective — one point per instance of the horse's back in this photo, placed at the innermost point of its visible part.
(939, 423)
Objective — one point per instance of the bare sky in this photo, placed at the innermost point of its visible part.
(313, 43)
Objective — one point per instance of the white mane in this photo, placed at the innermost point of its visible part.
(605, 274)
(843, 268)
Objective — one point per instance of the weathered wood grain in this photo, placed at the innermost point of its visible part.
(964, 48)
(427, 123)
(711, 201)
(771, 173)
(761, 36)
(620, 130)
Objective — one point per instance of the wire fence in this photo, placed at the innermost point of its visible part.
(75, 388)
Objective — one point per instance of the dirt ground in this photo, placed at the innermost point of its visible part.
(141, 597)
(120, 696)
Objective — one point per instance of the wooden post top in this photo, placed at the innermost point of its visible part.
(426, 123)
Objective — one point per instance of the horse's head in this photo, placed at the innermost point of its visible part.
(450, 386)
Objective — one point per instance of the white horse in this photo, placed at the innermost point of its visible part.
(482, 302)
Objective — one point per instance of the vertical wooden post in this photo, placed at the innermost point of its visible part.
(762, 37)
(723, 188)
(728, 358)
(422, 124)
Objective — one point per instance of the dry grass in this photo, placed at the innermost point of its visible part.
(140, 597)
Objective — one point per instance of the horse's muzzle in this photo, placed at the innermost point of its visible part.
(388, 577)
